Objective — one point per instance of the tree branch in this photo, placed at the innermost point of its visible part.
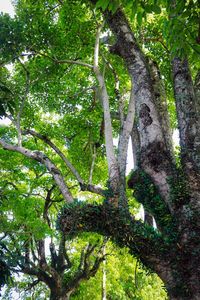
(65, 61)
(112, 162)
(47, 205)
(43, 159)
(94, 154)
(125, 134)
(86, 268)
(84, 187)
(142, 240)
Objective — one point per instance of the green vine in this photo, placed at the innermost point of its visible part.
(148, 195)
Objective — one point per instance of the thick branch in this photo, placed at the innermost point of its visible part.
(161, 104)
(125, 135)
(142, 240)
(43, 159)
(63, 258)
(41, 275)
(41, 253)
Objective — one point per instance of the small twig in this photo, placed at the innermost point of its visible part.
(65, 61)
(33, 284)
(159, 40)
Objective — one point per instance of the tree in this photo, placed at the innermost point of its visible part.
(57, 37)
(30, 244)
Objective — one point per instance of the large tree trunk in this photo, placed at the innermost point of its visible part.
(55, 296)
(172, 251)
(189, 124)
(182, 287)
(155, 154)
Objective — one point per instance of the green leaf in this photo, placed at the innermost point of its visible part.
(102, 4)
(139, 18)
(156, 9)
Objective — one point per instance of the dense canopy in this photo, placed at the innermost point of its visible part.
(80, 81)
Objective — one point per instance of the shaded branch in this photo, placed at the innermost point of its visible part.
(41, 253)
(64, 61)
(142, 240)
(32, 284)
(62, 255)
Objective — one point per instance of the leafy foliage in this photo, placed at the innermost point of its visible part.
(52, 91)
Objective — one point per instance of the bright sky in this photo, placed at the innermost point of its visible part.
(6, 7)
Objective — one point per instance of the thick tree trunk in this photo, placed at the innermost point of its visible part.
(182, 289)
(155, 155)
(189, 124)
(55, 296)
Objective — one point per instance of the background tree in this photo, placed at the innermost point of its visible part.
(120, 86)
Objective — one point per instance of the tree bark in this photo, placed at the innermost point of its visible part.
(189, 124)
(57, 296)
(155, 155)
(110, 153)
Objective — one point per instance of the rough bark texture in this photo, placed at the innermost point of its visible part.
(174, 261)
(161, 104)
(189, 123)
(149, 125)
(118, 225)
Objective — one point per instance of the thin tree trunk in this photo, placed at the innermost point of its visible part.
(110, 153)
